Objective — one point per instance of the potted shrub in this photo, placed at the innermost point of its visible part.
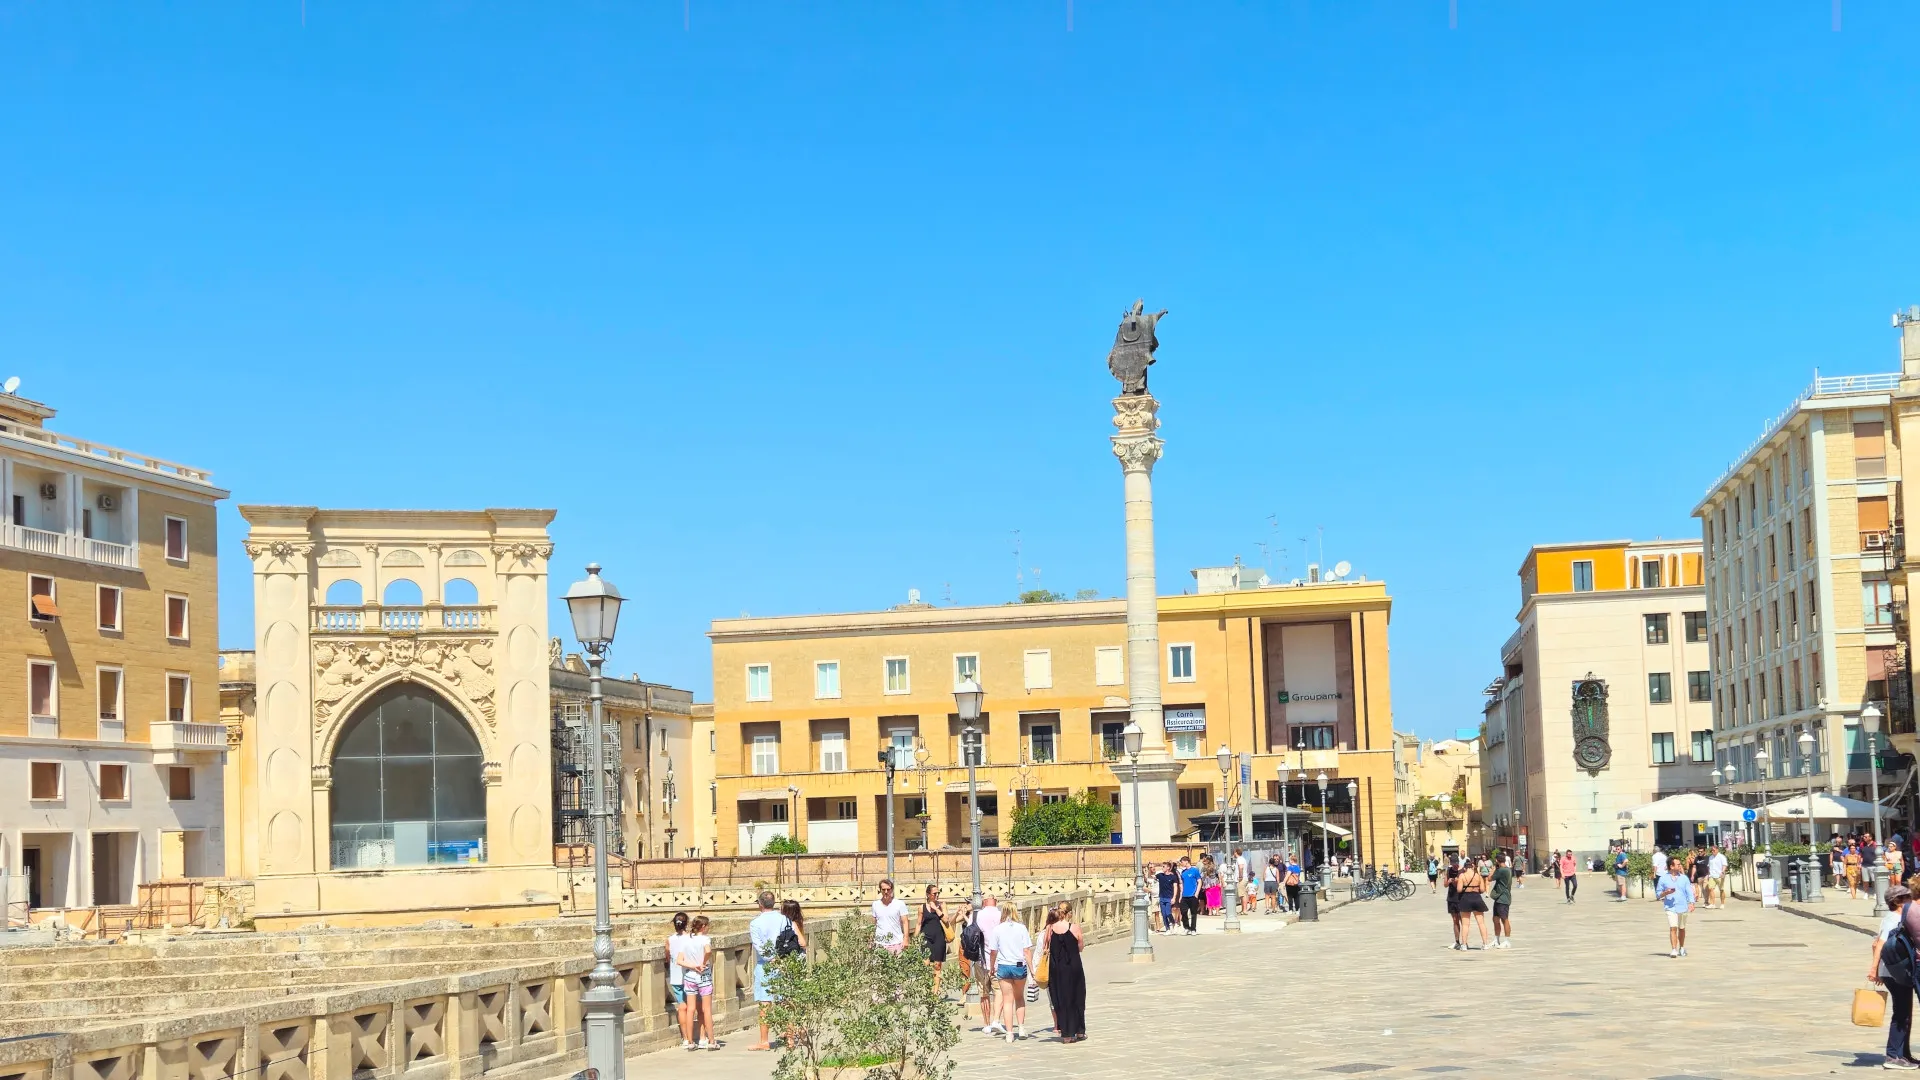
(854, 1011)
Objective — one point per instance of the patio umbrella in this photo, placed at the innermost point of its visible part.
(1688, 807)
(1826, 807)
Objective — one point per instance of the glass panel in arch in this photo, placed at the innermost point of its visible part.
(356, 789)
(457, 792)
(407, 724)
(409, 789)
(362, 739)
(452, 737)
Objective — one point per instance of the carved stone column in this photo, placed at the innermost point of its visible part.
(1138, 448)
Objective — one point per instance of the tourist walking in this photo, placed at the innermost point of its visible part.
(1433, 874)
(1012, 948)
(1853, 872)
(985, 922)
(1452, 881)
(1502, 894)
(1675, 893)
(933, 932)
(889, 919)
(1189, 896)
(1270, 884)
(1210, 881)
(1569, 874)
(765, 932)
(1717, 878)
(1168, 883)
(1066, 976)
(1292, 881)
(1620, 874)
(1892, 969)
(676, 976)
(1473, 903)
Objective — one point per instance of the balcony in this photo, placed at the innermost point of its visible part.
(380, 619)
(175, 743)
(68, 546)
(102, 451)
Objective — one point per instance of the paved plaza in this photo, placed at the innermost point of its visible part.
(1587, 991)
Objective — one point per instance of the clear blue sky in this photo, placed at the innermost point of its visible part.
(792, 308)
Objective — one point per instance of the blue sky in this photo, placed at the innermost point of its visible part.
(792, 308)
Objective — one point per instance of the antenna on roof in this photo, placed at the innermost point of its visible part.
(1019, 581)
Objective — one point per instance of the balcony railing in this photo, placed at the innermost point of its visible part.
(173, 742)
(102, 450)
(406, 620)
(68, 546)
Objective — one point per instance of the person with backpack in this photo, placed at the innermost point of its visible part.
(1891, 969)
(976, 945)
(765, 931)
(1433, 874)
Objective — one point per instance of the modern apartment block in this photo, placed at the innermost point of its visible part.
(1802, 572)
(807, 708)
(1604, 697)
(110, 749)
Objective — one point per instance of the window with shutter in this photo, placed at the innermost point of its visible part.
(1039, 669)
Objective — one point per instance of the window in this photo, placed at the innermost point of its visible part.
(1109, 665)
(1663, 748)
(1656, 629)
(766, 755)
(1660, 687)
(1189, 744)
(113, 782)
(965, 666)
(1113, 740)
(109, 608)
(1873, 522)
(1313, 737)
(897, 681)
(177, 539)
(1699, 686)
(1180, 663)
(826, 679)
(45, 781)
(40, 599)
(179, 699)
(901, 742)
(1650, 573)
(845, 809)
(1702, 751)
(833, 751)
(1040, 740)
(1039, 669)
(759, 682)
(176, 618)
(112, 696)
(1583, 575)
(1048, 798)
(1196, 798)
(1696, 626)
(180, 783)
(1870, 449)
(1876, 602)
(43, 698)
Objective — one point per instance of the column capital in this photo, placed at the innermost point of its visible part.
(1137, 453)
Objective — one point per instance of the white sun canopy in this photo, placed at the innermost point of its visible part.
(1687, 807)
(1825, 808)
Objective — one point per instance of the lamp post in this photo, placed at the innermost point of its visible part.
(966, 702)
(1761, 759)
(1142, 951)
(669, 796)
(1286, 819)
(1807, 743)
(594, 605)
(1353, 808)
(887, 762)
(1870, 723)
(1230, 892)
(1322, 780)
(1717, 777)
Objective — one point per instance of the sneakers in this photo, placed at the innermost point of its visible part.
(1010, 1036)
(1504, 943)
(685, 1045)
(1673, 953)
(1683, 950)
(993, 1029)
(1898, 1063)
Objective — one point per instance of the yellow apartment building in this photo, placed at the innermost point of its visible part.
(109, 753)
(807, 708)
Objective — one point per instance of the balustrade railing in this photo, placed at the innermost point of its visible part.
(68, 546)
(406, 620)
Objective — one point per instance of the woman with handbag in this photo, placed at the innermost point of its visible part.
(1897, 984)
(933, 932)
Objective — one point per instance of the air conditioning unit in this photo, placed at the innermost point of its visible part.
(1875, 541)
(107, 501)
(49, 490)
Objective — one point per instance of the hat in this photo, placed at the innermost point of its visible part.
(1898, 894)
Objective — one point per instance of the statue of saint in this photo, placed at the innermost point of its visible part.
(1133, 347)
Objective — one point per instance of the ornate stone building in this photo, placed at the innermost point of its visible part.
(402, 717)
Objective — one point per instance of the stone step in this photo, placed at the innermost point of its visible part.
(246, 943)
(472, 956)
(304, 979)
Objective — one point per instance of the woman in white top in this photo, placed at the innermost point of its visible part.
(1013, 949)
(676, 976)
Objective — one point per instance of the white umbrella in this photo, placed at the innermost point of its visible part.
(1826, 807)
(1688, 807)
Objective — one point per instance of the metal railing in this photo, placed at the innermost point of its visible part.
(1842, 384)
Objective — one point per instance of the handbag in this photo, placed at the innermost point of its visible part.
(1043, 968)
(1869, 1007)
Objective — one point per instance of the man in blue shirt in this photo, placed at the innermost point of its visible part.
(1189, 896)
(1620, 874)
(1168, 882)
(1676, 895)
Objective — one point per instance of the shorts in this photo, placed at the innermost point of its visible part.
(1013, 971)
(1472, 904)
(1500, 910)
(762, 976)
(1273, 888)
(1677, 920)
(678, 991)
(1433, 877)
(894, 947)
(697, 984)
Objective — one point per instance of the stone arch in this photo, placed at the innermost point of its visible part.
(408, 784)
(482, 728)
(345, 592)
(402, 592)
(460, 592)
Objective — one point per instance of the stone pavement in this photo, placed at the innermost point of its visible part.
(1588, 991)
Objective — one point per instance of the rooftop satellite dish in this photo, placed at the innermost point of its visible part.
(12, 383)
(1342, 569)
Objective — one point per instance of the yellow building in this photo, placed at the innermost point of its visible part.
(1449, 811)
(109, 759)
(807, 707)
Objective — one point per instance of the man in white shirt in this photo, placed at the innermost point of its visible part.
(988, 920)
(890, 927)
(764, 931)
(1717, 879)
(1247, 890)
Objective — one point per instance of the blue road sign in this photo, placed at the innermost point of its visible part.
(1749, 814)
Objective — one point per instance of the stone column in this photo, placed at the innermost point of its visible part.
(1138, 448)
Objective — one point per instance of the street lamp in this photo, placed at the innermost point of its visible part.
(1870, 723)
(966, 702)
(1353, 809)
(669, 796)
(1760, 761)
(1322, 780)
(594, 605)
(887, 762)
(1142, 950)
(1230, 920)
(1286, 820)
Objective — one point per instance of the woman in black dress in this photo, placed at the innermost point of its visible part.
(933, 932)
(1066, 978)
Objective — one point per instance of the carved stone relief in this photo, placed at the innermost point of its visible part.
(342, 667)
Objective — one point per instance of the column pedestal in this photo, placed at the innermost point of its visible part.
(1159, 799)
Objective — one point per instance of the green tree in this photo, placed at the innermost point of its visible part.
(1084, 819)
(1041, 596)
(784, 845)
(853, 1006)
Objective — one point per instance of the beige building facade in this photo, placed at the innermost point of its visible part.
(652, 726)
(1449, 805)
(1604, 701)
(109, 752)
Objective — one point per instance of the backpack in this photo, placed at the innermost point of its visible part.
(973, 942)
(1897, 957)
(788, 943)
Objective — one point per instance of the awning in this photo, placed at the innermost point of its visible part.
(1826, 807)
(44, 606)
(1332, 829)
(1688, 807)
